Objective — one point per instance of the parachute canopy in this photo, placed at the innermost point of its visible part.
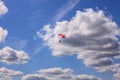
(61, 35)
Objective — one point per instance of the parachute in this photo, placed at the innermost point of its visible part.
(61, 36)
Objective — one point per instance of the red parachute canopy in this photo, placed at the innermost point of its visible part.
(61, 35)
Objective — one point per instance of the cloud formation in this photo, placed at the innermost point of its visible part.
(117, 73)
(8, 74)
(3, 8)
(58, 74)
(3, 34)
(11, 56)
(91, 35)
(33, 77)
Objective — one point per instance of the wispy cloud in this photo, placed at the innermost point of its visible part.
(38, 49)
(15, 41)
(61, 12)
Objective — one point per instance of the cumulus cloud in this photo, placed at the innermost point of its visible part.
(86, 77)
(55, 71)
(3, 8)
(117, 73)
(3, 34)
(33, 77)
(6, 74)
(58, 74)
(90, 34)
(11, 56)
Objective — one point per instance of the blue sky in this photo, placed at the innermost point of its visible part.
(23, 21)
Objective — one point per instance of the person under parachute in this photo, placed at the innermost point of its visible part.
(61, 36)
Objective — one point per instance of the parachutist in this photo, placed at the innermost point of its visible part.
(59, 41)
(61, 36)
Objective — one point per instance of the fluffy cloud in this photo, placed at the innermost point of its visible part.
(3, 8)
(11, 56)
(86, 77)
(58, 74)
(3, 34)
(33, 77)
(117, 73)
(6, 74)
(89, 34)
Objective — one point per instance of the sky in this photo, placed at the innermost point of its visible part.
(30, 47)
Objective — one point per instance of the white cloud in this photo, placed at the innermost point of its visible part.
(98, 62)
(33, 77)
(55, 71)
(117, 74)
(112, 67)
(89, 34)
(3, 8)
(86, 77)
(65, 9)
(8, 74)
(3, 34)
(11, 56)
(58, 74)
